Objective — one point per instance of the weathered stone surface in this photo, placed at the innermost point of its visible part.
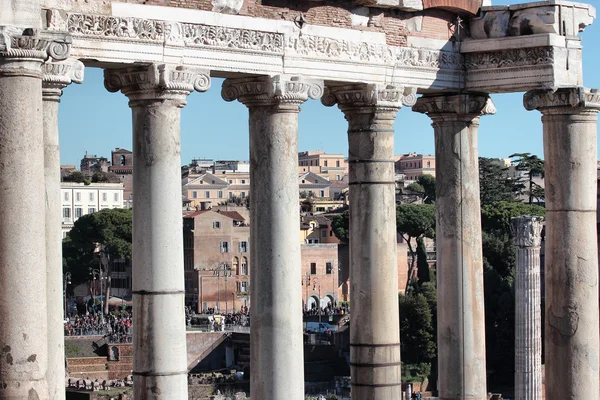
(22, 13)
(227, 6)
(527, 232)
(571, 264)
(276, 335)
(493, 24)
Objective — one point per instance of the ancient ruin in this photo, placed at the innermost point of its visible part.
(368, 57)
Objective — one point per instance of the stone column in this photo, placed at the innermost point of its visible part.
(23, 326)
(276, 352)
(571, 265)
(57, 75)
(157, 93)
(375, 338)
(527, 232)
(461, 322)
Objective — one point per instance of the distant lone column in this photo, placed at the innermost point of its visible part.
(527, 232)
(56, 76)
(375, 336)
(157, 93)
(461, 316)
(23, 302)
(276, 352)
(571, 265)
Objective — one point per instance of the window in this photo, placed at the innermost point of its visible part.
(243, 194)
(66, 196)
(325, 162)
(104, 197)
(303, 181)
(220, 194)
(91, 210)
(122, 160)
(78, 212)
(243, 247)
(224, 247)
(243, 181)
(329, 268)
(230, 181)
(338, 177)
(213, 181)
(323, 233)
(66, 212)
(322, 193)
(337, 163)
(244, 270)
(91, 196)
(231, 195)
(116, 197)
(207, 194)
(217, 224)
(313, 268)
(244, 287)
(428, 164)
(77, 196)
(194, 195)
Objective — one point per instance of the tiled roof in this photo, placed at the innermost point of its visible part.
(195, 213)
(232, 214)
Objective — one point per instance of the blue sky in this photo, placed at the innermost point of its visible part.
(92, 119)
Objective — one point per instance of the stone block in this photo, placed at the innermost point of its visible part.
(227, 6)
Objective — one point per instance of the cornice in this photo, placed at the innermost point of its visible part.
(574, 97)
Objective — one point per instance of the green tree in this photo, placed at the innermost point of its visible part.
(423, 271)
(428, 183)
(77, 177)
(109, 177)
(533, 166)
(108, 231)
(340, 224)
(495, 183)
(414, 221)
(416, 187)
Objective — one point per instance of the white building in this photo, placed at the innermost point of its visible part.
(79, 199)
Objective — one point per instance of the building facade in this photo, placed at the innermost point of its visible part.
(79, 199)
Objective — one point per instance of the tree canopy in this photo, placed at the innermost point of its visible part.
(340, 225)
(495, 183)
(427, 182)
(110, 228)
(532, 166)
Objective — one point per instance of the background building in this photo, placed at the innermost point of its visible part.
(413, 165)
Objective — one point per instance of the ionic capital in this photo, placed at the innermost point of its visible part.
(23, 51)
(563, 100)
(157, 82)
(58, 75)
(371, 97)
(285, 92)
(527, 231)
(455, 106)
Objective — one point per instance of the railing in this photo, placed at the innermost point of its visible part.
(219, 328)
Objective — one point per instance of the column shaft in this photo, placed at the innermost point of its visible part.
(571, 265)
(528, 329)
(56, 77)
(157, 93)
(276, 344)
(23, 326)
(375, 337)
(461, 316)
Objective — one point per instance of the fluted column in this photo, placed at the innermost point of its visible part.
(461, 316)
(569, 117)
(375, 337)
(527, 232)
(276, 343)
(157, 93)
(56, 76)
(23, 302)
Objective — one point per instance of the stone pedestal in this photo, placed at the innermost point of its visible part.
(461, 320)
(527, 232)
(375, 339)
(23, 302)
(56, 76)
(156, 94)
(571, 264)
(276, 352)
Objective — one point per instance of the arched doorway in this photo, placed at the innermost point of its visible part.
(313, 302)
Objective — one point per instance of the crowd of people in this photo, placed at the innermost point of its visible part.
(329, 310)
(116, 326)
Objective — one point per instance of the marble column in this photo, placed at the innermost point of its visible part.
(571, 264)
(23, 302)
(375, 339)
(461, 316)
(527, 232)
(157, 93)
(56, 76)
(276, 342)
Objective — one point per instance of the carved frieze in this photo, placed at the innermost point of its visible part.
(157, 81)
(281, 90)
(527, 231)
(509, 58)
(563, 97)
